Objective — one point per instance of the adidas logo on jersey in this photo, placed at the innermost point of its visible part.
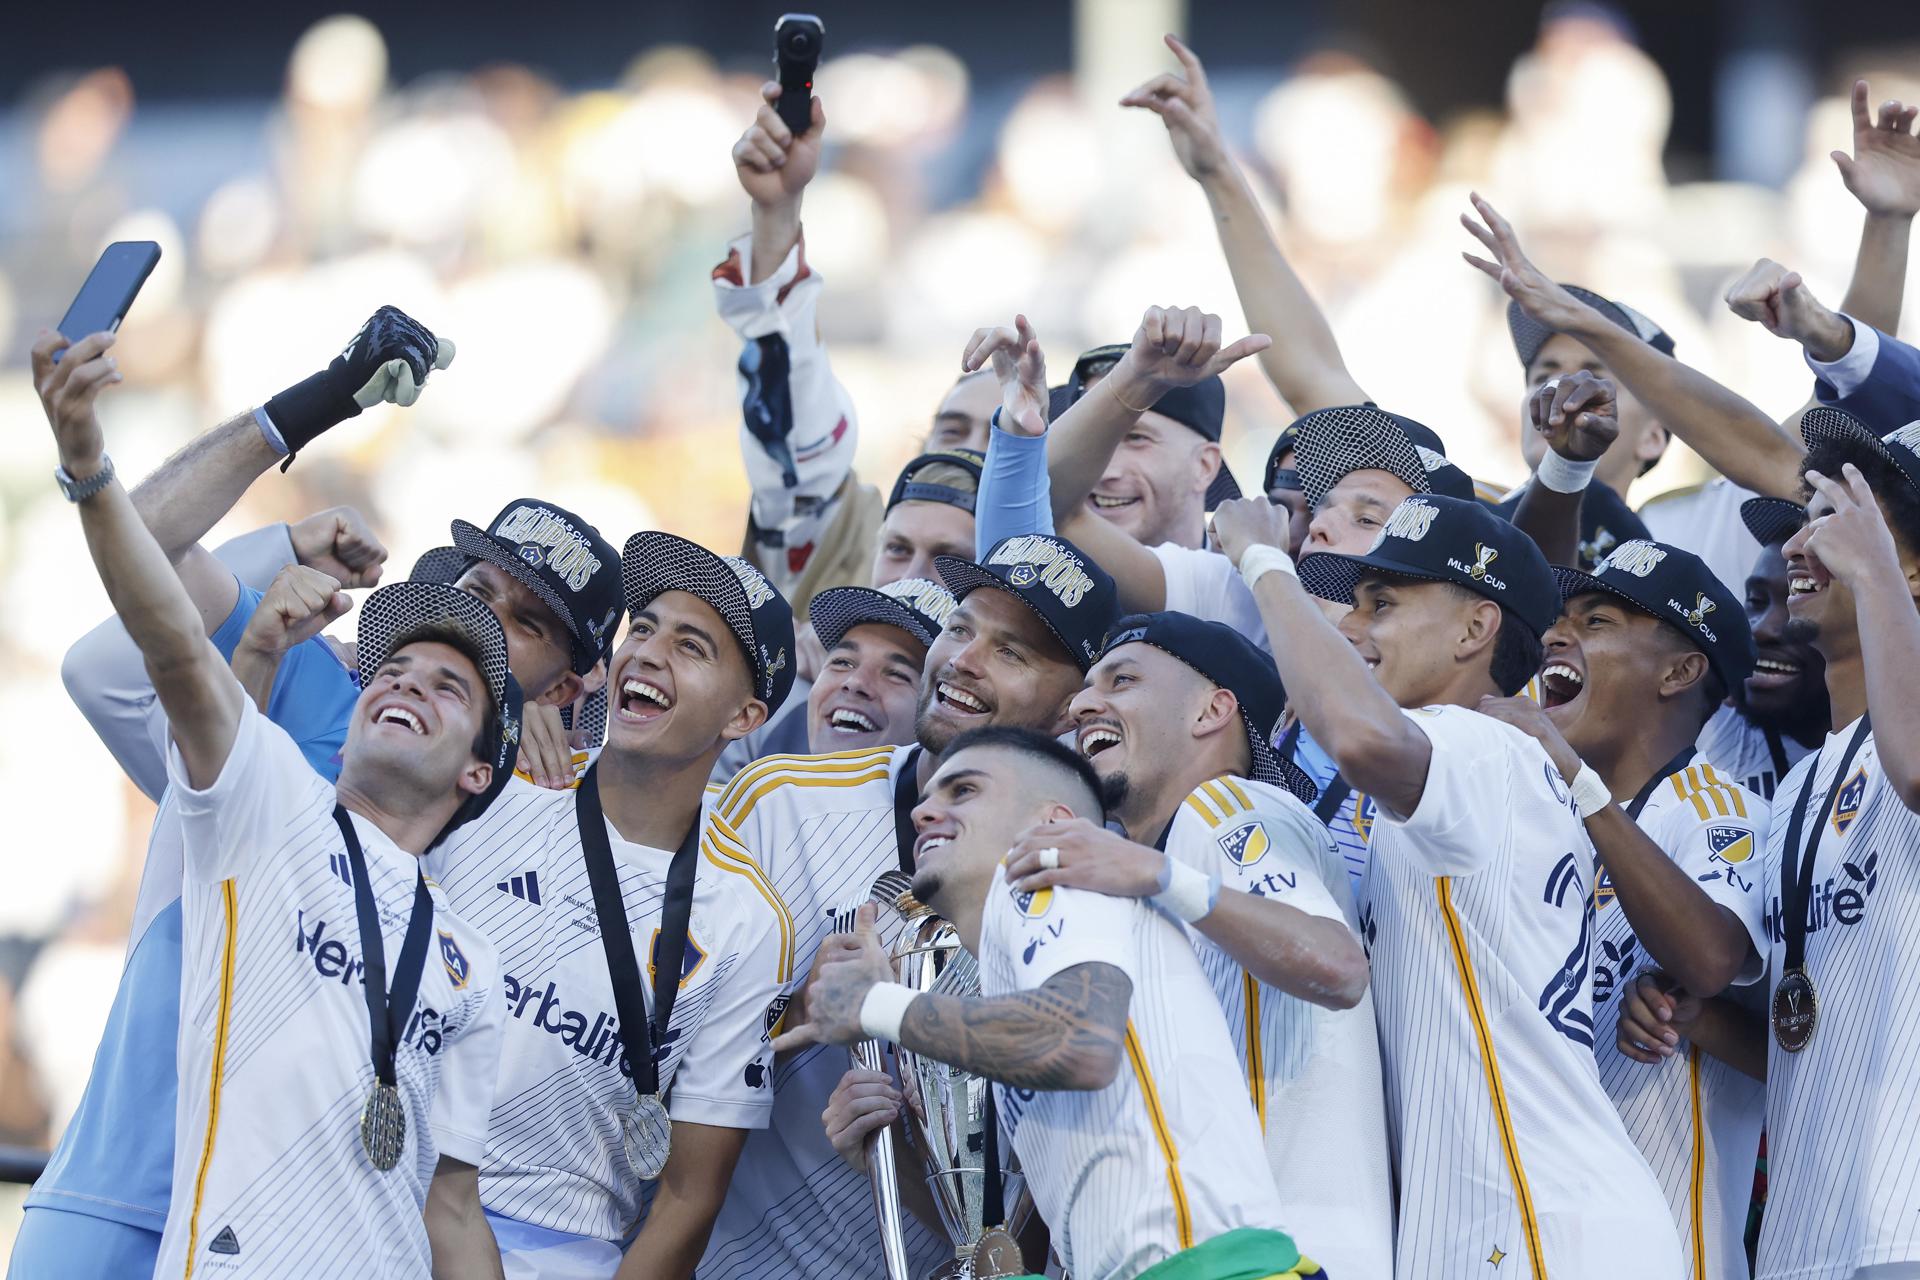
(226, 1242)
(525, 887)
(341, 866)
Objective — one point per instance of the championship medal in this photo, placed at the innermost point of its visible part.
(1796, 1010)
(383, 1126)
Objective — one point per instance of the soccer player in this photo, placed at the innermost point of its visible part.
(1474, 903)
(1647, 646)
(1015, 650)
(1176, 720)
(1115, 1076)
(1779, 713)
(868, 693)
(333, 1106)
(641, 953)
(1842, 1071)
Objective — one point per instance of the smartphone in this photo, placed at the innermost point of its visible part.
(110, 289)
(796, 55)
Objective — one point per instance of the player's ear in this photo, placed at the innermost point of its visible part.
(1480, 627)
(745, 720)
(476, 778)
(565, 691)
(1687, 670)
(1219, 711)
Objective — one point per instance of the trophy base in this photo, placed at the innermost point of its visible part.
(994, 1256)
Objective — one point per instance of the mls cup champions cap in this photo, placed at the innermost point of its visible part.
(916, 606)
(1331, 444)
(1677, 587)
(561, 559)
(1072, 595)
(760, 618)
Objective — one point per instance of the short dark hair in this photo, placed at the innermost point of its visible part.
(1038, 746)
(442, 632)
(1897, 494)
(1517, 651)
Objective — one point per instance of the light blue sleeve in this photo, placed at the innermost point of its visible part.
(1015, 494)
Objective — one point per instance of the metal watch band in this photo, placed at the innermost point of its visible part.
(81, 490)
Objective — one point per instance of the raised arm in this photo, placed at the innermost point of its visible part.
(1304, 361)
(1730, 432)
(202, 702)
(1579, 414)
(1884, 175)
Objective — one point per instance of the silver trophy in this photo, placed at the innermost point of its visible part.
(943, 1129)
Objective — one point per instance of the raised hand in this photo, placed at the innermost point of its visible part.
(1779, 301)
(1185, 106)
(1578, 413)
(1884, 170)
(773, 165)
(339, 542)
(862, 1104)
(1021, 368)
(1852, 541)
(1176, 347)
(68, 389)
(296, 607)
(1240, 523)
(837, 988)
(1089, 857)
(1538, 295)
(389, 360)
(1532, 719)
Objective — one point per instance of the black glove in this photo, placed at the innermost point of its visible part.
(389, 359)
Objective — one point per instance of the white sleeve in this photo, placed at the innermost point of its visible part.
(242, 816)
(1850, 372)
(1464, 807)
(791, 509)
(1206, 585)
(463, 1104)
(725, 1077)
(1271, 853)
(1723, 854)
(257, 558)
(1051, 930)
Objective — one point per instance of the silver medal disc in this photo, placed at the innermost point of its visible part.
(647, 1134)
(383, 1127)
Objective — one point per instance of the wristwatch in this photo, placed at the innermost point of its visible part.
(81, 490)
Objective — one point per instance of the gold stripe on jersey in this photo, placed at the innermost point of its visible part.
(1198, 804)
(1490, 1068)
(724, 850)
(1234, 789)
(1256, 1061)
(1183, 1216)
(840, 769)
(1710, 794)
(1697, 1191)
(230, 906)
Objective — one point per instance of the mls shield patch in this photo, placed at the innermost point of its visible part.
(1245, 845)
(1730, 845)
(455, 959)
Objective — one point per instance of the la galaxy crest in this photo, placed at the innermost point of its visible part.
(1032, 903)
(1846, 806)
(455, 959)
(1364, 814)
(1246, 844)
(690, 962)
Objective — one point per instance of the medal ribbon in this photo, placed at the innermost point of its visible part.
(906, 794)
(640, 1040)
(1796, 883)
(387, 1013)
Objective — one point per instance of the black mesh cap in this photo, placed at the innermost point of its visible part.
(1073, 595)
(395, 615)
(1825, 424)
(906, 489)
(1234, 663)
(917, 606)
(1676, 587)
(1331, 444)
(561, 559)
(440, 564)
(1439, 539)
(1772, 520)
(1529, 335)
(758, 615)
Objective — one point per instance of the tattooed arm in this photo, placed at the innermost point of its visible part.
(1068, 1033)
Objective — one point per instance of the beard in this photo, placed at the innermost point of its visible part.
(1801, 631)
(926, 886)
(1114, 789)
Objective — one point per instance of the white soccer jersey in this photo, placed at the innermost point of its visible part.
(823, 828)
(554, 1157)
(1754, 757)
(1204, 583)
(1696, 1119)
(1475, 910)
(269, 1178)
(1167, 1156)
(1313, 1073)
(1843, 1186)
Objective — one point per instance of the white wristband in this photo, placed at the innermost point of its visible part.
(1590, 795)
(1564, 475)
(884, 1009)
(1190, 893)
(1260, 559)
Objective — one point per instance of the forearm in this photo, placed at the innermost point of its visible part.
(1304, 362)
(1061, 1036)
(1337, 699)
(1014, 496)
(1312, 958)
(1733, 1035)
(256, 669)
(194, 489)
(776, 229)
(1879, 272)
(1726, 429)
(1890, 650)
(457, 1231)
(685, 1203)
(1552, 520)
(1686, 932)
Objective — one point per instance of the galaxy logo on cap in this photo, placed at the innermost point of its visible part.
(929, 598)
(752, 581)
(1410, 521)
(546, 538)
(1037, 559)
(1638, 557)
(1697, 616)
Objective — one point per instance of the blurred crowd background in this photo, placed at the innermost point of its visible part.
(554, 200)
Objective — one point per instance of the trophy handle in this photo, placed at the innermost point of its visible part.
(882, 1174)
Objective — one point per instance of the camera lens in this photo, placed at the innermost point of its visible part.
(800, 44)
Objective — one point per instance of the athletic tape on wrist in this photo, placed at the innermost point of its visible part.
(1564, 475)
(1590, 795)
(1190, 893)
(884, 1009)
(1260, 559)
